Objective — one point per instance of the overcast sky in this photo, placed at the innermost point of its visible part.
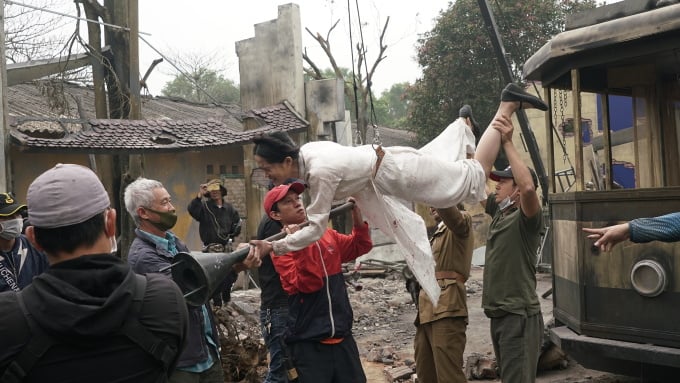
(213, 27)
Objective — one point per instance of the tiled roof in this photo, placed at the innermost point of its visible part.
(134, 136)
(36, 128)
(29, 100)
(280, 116)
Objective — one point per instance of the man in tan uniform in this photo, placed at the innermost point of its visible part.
(440, 331)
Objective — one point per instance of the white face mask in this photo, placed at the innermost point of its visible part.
(11, 229)
(505, 203)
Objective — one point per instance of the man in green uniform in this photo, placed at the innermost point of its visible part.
(509, 297)
(440, 334)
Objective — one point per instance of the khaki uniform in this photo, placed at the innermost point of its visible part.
(440, 334)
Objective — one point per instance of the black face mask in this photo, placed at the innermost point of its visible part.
(168, 219)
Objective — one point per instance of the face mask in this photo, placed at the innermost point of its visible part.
(505, 203)
(11, 229)
(167, 222)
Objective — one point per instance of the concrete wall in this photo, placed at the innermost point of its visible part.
(325, 104)
(270, 64)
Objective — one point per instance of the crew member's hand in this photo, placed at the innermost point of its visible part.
(253, 258)
(606, 237)
(264, 248)
(357, 217)
(504, 126)
(202, 190)
(290, 229)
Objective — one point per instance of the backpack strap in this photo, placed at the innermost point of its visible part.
(36, 347)
(140, 335)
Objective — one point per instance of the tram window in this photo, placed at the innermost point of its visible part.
(634, 140)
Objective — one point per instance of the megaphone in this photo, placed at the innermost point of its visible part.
(199, 274)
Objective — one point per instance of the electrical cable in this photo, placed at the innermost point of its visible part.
(11, 2)
(190, 79)
(372, 115)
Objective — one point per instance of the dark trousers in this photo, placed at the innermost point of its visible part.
(274, 324)
(517, 344)
(328, 363)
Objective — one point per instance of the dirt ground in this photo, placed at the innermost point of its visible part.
(400, 332)
(384, 330)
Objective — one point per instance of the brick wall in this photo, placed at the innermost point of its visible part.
(237, 197)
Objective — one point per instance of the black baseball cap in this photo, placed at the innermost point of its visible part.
(497, 175)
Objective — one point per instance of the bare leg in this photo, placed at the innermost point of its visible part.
(490, 142)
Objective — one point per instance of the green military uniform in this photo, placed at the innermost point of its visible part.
(509, 296)
(440, 334)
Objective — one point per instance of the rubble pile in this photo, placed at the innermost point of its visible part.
(244, 355)
(384, 313)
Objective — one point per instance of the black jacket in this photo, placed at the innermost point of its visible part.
(82, 303)
(215, 224)
(145, 258)
(272, 295)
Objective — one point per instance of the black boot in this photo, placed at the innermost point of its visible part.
(513, 92)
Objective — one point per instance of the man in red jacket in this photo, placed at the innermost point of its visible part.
(320, 318)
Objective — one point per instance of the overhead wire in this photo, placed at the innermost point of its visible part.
(354, 77)
(47, 10)
(183, 73)
(371, 116)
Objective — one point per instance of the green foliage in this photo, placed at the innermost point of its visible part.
(217, 88)
(459, 64)
(391, 108)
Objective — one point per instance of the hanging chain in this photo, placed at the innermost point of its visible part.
(376, 135)
(359, 140)
(563, 104)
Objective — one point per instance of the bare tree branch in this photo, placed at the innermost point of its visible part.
(359, 86)
(314, 72)
(383, 47)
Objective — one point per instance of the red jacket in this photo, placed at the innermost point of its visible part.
(312, 277)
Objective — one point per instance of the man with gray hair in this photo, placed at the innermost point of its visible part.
(150, 205)
(88, 318)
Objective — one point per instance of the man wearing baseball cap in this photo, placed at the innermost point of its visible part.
(320, 316)
(88, 318)
(509, 296)
(19, 260)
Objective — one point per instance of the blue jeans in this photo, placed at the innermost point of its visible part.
(273, 323)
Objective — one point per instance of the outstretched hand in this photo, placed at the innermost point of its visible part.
(357, 217)
(262, 247)
(252, 260)
(606, 237)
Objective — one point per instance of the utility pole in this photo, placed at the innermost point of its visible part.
(506, 72)
(5, 173)
(124, 102)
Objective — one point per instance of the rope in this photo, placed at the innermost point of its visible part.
(354, 77)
